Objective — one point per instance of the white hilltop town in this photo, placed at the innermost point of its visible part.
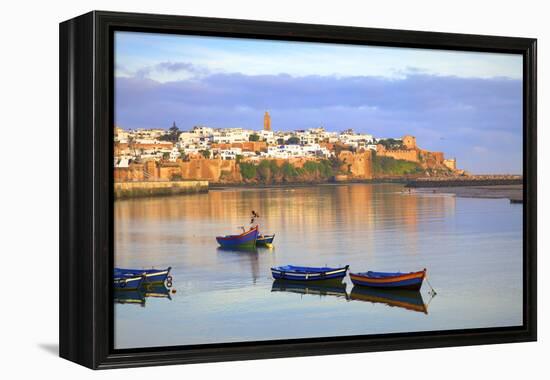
(232, 143)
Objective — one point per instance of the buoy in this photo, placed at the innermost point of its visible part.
(173, 291)
(269, 245)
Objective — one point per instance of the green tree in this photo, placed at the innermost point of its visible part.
(172, 135)
(391, 143)
(254, 137)
(288, 170)
(310, 167)
(293, 140)
(248, 170)
(325, 169)
(205, 153)
(391, 166)
(335, 163)
(264, 170)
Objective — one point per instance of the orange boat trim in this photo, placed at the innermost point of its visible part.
(405, 305)
(408, 276)
(238, 236)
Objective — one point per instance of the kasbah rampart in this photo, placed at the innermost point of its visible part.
(218, 155)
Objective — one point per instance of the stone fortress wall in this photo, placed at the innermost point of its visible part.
(356, 165)
(411, 152)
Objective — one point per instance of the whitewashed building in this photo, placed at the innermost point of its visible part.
(232, 135)
(174, 154)
(229, 154)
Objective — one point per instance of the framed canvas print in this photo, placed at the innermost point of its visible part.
(238, 189)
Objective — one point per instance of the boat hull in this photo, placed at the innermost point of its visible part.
(309, 274)
(245, 240)
(128, 283)
(264, 240)
(408, 281)
(152, 276)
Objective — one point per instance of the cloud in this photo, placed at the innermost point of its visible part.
(161, 68)
(446, 113)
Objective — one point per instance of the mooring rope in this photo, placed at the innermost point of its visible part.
(430, 285)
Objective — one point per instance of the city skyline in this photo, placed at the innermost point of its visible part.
(466, 104)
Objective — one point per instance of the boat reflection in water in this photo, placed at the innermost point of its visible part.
(238, 249)
(138, 297)
(406, 299)
(321, 288)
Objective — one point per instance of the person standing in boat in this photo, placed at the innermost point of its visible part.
(253, 218)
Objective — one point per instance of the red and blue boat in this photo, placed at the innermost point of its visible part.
(245, 240)
(297, 273)
(151, 276)
(389, 280)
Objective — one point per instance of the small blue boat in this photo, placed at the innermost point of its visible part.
(128, 282)
(245, 240)
(152, 276)
(297, 273)
(264, 240)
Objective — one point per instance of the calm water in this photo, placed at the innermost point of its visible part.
(471, 247)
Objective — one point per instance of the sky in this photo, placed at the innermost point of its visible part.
(466, 104)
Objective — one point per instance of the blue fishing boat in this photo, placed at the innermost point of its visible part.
(264, 240)
(297, 273)
(152, 276)
(245, 240)
(393, 280)
(128, 282)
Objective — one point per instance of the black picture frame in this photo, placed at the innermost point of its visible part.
(86, 183)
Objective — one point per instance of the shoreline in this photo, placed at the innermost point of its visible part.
(514, 193)
(218, 185)
(148, 189)
(481, 187)
(409, 182)
(477, 180)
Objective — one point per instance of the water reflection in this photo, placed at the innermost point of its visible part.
(406, 299)
(247, 257)
(325, 288)
(471, 247)
(287, 212)
(138, 297)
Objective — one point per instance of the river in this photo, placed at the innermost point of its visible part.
(472, 249)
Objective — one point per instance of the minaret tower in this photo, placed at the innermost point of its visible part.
(267, 121)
